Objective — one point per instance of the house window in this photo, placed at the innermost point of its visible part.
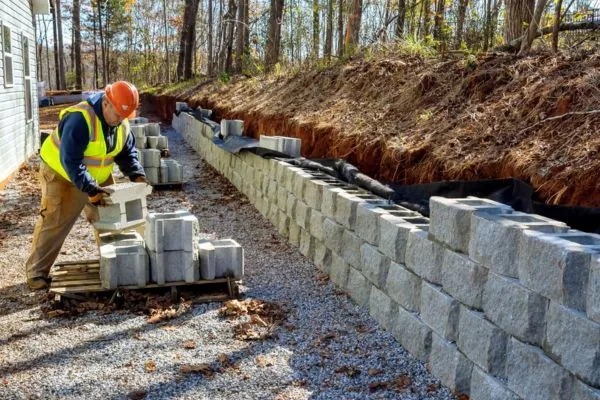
(27, 78)
(7, 56)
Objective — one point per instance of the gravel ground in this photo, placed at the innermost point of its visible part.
(327, 347)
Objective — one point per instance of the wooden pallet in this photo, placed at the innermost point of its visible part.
(168, 186)
(76, 278)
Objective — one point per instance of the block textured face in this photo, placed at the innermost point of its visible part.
(229, 258)
(123, 260)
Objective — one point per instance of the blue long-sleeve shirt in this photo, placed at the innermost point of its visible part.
(74, 134)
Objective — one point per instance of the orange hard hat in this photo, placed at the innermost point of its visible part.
(124, 97)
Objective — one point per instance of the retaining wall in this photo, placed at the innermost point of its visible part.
(499, 304)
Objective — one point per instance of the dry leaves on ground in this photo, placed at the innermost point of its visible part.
(150, 366)
(264, 317)
(203, 369)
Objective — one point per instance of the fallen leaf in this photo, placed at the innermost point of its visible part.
(373, 371)
(168, 327)
(137, 395)
(189, 344)
(375, 386)
(402, 382)
(264, 361)
(463, 396)
(434, 387)
(224, 360)
(150, 366)
(203, 369)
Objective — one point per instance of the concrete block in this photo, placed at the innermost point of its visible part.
(229, 258)
(328, 201)
(495, 238)
(463, 279)
(299, 183)
(152, 174)
(162, 143)
(451, 219)
(232, 127)
(367, 221)
(332, 235)
(585, 392)
(137, 121)
(175, 171)
(313, 193)
(282, 197)
(307, 248)
(152, 129)
(163, 172)
(289, 177)
(174, 266)
(393, 236)
(273, 214)
(322, 257)
(272, 191)
(269, 142)
(403, 287)
(316, 224)
(482, 342)
(359, 288)
(557, 265)
(514, 308)
(424, 257)
(350, 250)
(532, 375)
(439, 311)
(284, 224)
(382, 308)
(140, 156)
(280, 172)
(294, 233)
(450, 365)
(141, 142)
(302, 214)
(374, 265)
(574, 341)
(486, 387)
(291, 146)
(126, 207)
(151, 158)
(171, 231)
(152, 142)
(138, 131)
(207, 259)
(345, 208)
(339, 271)
(593, 291)
(123, 260)
(413, 334)
(124, 192)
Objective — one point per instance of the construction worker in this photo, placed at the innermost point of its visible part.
(77, 161)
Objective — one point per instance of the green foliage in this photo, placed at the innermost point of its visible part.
(224, 78)
(415, 47)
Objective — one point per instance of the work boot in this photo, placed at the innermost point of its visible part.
(37, 283)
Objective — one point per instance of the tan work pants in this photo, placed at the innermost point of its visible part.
(62, 204)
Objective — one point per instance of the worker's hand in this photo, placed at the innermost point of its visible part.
(142, 179)
(98, 199)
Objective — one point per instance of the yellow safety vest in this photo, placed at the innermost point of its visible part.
(98, 162)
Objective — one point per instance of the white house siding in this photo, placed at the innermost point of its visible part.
(19, 138)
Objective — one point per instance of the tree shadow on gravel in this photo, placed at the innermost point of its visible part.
(16, 298)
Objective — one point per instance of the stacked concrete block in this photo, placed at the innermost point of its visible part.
(124, 208)
(495, 238)
(424, 256)
(382, 308)
(207, 259)
(393, 235)
(350, 250)
(403, 287)
(151, 164)
(138, 121)
(463, 279)
(368, 215)
(486, 387)
(593, 290)
(171, 171)
(339, 271)
(229, 258)
(451, 219)
(152, 142)
(557, 266)
(152, 129)
(180, 106)
(123, 260)
(282, 144)
(374, 265)
(439, 311)
(162, 143)
(359, 288)
(171, 239)
(163, 172)
(232, 127)
(450, 365)
(414, 335)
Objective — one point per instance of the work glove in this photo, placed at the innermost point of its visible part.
(98, 198)
(141, 179)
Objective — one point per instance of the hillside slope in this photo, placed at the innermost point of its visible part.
(408, 120)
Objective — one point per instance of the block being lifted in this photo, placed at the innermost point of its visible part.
(124, 208)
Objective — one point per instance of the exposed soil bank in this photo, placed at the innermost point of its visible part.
(406, 121)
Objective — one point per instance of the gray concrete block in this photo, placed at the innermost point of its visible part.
(289, 176)
(486, 387)
(439, 311)
(414, 335)
(282, 197)
(339, 271)
(482, 342)
(307, 248)
(585, 392)
(450, 365)
(141, 143)
(367, 221)
(302, 214)
(328, 201)
(495, 238)
(532, 375)
(350, 250)
(359, 288)
(123, 260)
(110, 213)
(151, 158)
(514, 308)
(393, 236)
(269, 142)
(284, 224)
(232, 127)
(463, 279)
(374, 265)
(294, 233)
(299, 183)
(152, 129)
(207, 259)
(291, 146)
(382, 308)
(175, 171)
(229, 258)
(345, 208)
(451, 219)
(171, 231)
(322, 257)
(152, 174)
(273, 213)
(424, 257)
(125, 192)
(332, 235)
(316, 224)
(163, 172)
(152, 142)
(313, 193)
(403, 287)
(272, 191)
(574, 341)
(593, 291)
(174, 266)
(557, 265)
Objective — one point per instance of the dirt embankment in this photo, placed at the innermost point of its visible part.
(405, 120)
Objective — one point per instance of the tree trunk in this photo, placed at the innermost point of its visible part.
(438, 33)
(240, 36)
(47, 53)
(518, 14)
(425, 12)
(168, 63)
(460, 22)
(340, 28)
(329, 32)
(230, 24)
(316, 33)
(401, 18)
(274, 34)
(77, 45)
(102, 52)
(61, 53)
(353, 27)
(487, 35)
(557, 15)
(532, 29)
(209, 70)
(191, 39)
(56, 65)
(96, 75)
(386, 16)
